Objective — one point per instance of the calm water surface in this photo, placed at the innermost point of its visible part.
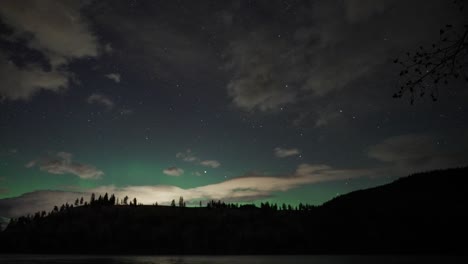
(34, 259)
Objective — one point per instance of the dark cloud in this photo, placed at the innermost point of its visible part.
(22, 83)
(126, 112)
(285, 152)
(57, 30)
(416, 152)
(309, 57)
(104, 100)
(62, 163)
(165, 50)
(260, 80)
(114, 77)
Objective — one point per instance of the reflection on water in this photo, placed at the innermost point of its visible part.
(323, 259)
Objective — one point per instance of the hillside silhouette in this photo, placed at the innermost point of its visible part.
(421, 213)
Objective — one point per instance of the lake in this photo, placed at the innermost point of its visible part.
(321, 259)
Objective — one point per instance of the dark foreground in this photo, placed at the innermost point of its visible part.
(421, 214)
(322, 259)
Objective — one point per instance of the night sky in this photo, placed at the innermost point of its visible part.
(243, 101)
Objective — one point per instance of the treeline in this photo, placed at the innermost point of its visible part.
(112, 200)
(423, 213)
(265, 206)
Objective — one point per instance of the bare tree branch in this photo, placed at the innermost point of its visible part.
(425, 69)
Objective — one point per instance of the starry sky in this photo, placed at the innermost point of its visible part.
(243, 101)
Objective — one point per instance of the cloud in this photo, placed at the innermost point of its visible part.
(259, 81)
(108, 48)
(416, 152)
(31, 164)
(283, 153)
(263, 186)
(210, 163)
(164, 49)
(57, 30)
(22, 83)
(104, 100)
(113, 76)
(4, 223)
(62, 163)
(173, 171)
(324, 117)
(189, 156)
(4, 190)
(29, 203)
(126, 111)
(332, 47)
(245, 188)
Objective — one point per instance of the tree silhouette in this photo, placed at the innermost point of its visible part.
(173, 203)
(112, 200)
(181, 202)
(423, 70)
(125, 200)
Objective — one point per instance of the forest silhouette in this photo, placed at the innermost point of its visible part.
(421, 213)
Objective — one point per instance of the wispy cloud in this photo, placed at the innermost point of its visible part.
(126, 112)
(284, 152)
(173, 171)
(62, 163)
(101, 99)
(210, 163)
(113, 76)
(189, 156)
